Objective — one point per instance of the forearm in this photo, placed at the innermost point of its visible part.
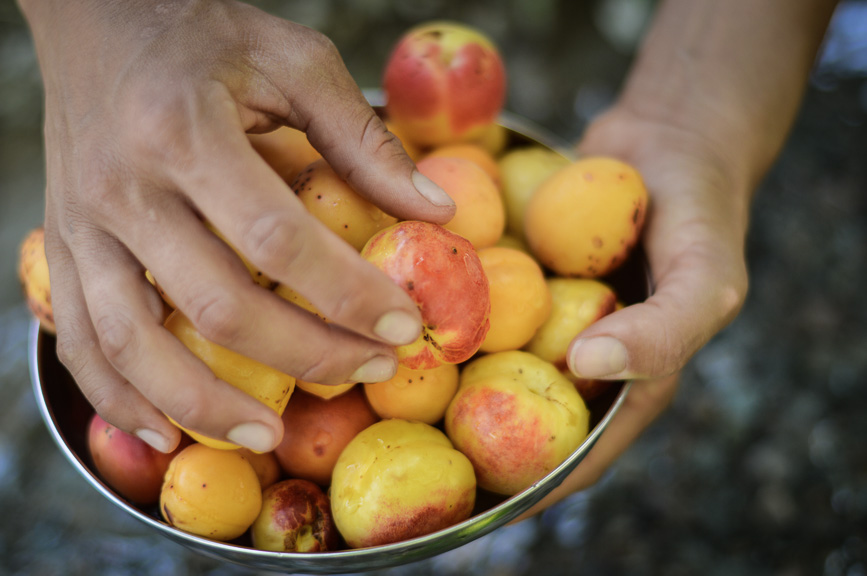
(731, 71)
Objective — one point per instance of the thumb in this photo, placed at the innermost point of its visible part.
(692, 301)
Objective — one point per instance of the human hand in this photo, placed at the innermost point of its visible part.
(694, 241)
(147, 107)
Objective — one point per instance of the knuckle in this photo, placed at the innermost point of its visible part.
(72, 352)
(218, 316)
(189, 410)
(319, 370)
(274, 243)
(117, 338)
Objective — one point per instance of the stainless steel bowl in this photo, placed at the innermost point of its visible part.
(66, 414)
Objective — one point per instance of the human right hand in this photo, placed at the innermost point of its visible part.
(147, 106)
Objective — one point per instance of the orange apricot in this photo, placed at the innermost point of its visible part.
(421, 395)
(480, 216)
(520, 300)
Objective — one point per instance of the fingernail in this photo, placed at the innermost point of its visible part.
(153, 438)
(253, 435)
(434, 194)
(598, 357)
(397, 327)
(377, 369)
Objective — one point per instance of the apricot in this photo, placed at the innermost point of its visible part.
(575, 304)
(442, 274)
(520, 300)
(411, 149)
(398, 480)
(256, 274)
(324, 391)
(35, 281)
(334, 203)
(444, 82)
(290, 295)
(480, 216)
(286, 150)
(130, 466)
(421, 395)
(210, 492)
(265, 464)
(316, 431)
(472, 152)
(295, 517)
(522, 170)
(516, 417)
(585, 219)
(268, 385)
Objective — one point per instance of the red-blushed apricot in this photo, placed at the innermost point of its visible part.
(516, 417)
(210, 492)
(316, 431)
(421, 395)
(441, 272)
(33, 274)
(295, 517)
(398, 480)
(286, 150)
(129, 466)
(472, 152)
(585, 219)
(267, 385)
(480, 216)
(332, 201)
(520, 300)
(444, 82)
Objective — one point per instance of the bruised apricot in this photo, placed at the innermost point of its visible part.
(586, 218)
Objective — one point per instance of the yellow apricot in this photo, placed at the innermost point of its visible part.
(421, 395)
(212, 493)
(324, 391)
(576, 303)
(33, 274)
(286, 150)
(586, 218)
(267, 385)
(521, 172)
(520, 301)
(333, 202)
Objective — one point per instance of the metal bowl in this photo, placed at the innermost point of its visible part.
(66, 414)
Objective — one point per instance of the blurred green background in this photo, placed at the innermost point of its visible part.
(759, 467)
